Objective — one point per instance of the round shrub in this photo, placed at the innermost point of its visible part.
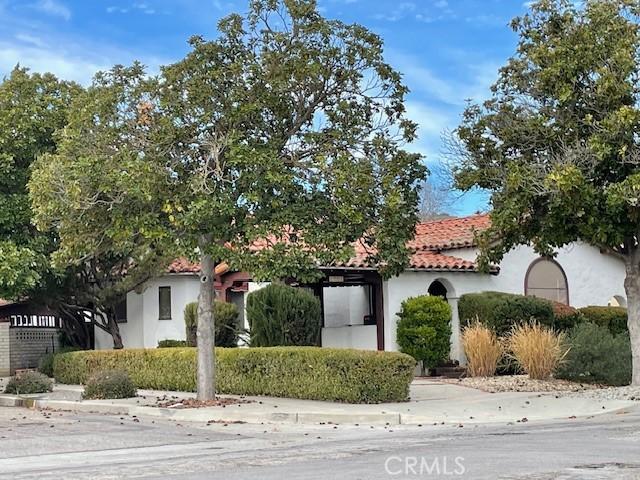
(225, 317)
(597, 356)
(424, 329)
(29, 382)
(280, 315)
(613, 318)
(108, 384)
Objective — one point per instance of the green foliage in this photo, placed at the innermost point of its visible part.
(281, 315)
(169, 343)
(296, 372)
(27, 383)
(597, 356)
(32, 108)
(225, 319)
(613, 318)
(555, 144)
(424, 329)
(501, 311)
(45, 365)
(109, 384)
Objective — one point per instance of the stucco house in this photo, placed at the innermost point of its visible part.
(359, 307)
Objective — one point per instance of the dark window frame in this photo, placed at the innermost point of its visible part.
(162, 289)
(119, 309)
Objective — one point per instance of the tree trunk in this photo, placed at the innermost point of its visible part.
(206, 332)
(632, 288)
(114, 330)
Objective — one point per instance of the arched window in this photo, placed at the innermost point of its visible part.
(546, 279)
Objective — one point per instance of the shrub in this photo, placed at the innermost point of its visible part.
(565, 316)
(597, 356)
(107, 384)
(424, 329)
(225, 319)
(613, 318)
(501, 311)
(45, 365)
(537, 349)
(281, 315)
(297, 372)
(169, 343)
(482, 349)
(29, 382)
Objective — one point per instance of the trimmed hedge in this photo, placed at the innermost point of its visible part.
(597, 356)
(613, 318)
(312, 373)
(500, 311)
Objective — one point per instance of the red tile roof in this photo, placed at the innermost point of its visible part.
(431, 239)
(449, 233)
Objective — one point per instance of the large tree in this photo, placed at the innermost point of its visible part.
(557, 144)
(98, 193)
(279, 144)
(32, 108)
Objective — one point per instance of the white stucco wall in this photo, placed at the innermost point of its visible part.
(593, 278)
(345, 305)
(143, 328)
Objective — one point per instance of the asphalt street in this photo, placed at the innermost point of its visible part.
(63, 445)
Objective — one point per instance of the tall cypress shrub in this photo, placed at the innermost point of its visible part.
(282, 315)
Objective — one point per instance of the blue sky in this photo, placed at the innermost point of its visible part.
(448, 50)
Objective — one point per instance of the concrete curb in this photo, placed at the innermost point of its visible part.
(226, 415)
(200, 414)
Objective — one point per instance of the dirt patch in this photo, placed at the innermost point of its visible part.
(519, 383)
(195, 403)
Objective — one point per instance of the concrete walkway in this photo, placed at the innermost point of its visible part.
(431, 402)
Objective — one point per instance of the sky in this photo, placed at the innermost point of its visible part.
(449, 51)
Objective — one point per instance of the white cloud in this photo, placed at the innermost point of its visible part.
(142, 7)
(53, 8)
(401, 11)
(472, 80)
(68, 67)
(441, 4)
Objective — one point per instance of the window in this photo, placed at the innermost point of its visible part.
(164, 303)
(546, 279)
(121, 311)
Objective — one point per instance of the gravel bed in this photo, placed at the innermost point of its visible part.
(522, 383)
(519, 383)
(612, 393)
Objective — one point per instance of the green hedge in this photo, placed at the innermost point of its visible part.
(313, 373)
(613, 318)
(500, 311)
